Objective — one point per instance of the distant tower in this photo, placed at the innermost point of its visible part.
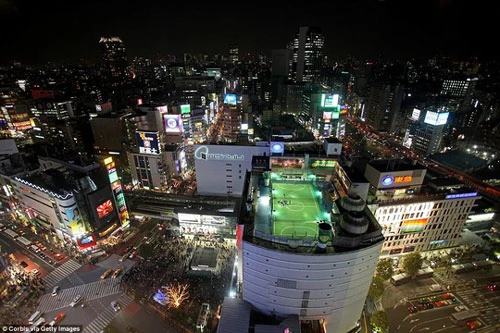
(307, 54)
(234, 54)
(115, 63)
(383, 107)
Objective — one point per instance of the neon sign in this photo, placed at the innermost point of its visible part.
(389, 180)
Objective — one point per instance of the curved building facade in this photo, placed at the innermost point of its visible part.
(307, 251)
(330, 287)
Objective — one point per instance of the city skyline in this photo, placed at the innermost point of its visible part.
(65, 32)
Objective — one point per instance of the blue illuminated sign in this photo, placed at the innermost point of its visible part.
(387, 180)
(230, 99)
(461, 195)
(277, 147)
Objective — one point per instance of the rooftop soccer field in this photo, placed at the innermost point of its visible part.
(296, 209)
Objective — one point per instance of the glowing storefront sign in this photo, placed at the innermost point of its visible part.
(389, 180)
(202, 153)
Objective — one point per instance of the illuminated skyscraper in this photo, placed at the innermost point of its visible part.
(307, 55)
(115, 63)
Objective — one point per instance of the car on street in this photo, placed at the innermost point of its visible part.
(58, 319)
(106, 274)
(35, 271)
(77, 299)
(116, 306)
(23, 264)
(116, 273)
(133, 254)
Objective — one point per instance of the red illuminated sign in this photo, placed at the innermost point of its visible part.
(104, 209)
(402, 179)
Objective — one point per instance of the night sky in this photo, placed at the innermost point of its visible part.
(64, 31)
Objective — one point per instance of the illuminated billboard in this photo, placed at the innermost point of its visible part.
(173, 123)
(185, 109)
(322, 163)
(213, 220)
(330, 100)
(416, 225)
(436, 118)
(230, 99)
(329, 115)
(189, 218)
(415, 115)
(148, 142)
(104, 208)
(277, 147)
(75, 220)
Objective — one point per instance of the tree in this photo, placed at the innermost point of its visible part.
(380, 321)
(412, 263)
(384, 269)
(178, 293)
(376, 288)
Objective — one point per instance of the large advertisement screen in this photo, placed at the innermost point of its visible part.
(104, 208)
(416, 225)
(330, 100)
(75, 220)
(173, 123)
(289, 163)
(230, 99)
(185, 109)
(148, 142)
(415, 115)
(436, 118)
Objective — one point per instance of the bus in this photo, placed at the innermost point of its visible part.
(400, 279)
(462, 268)
(425, 272)
(483, 264)
(11, 233)
(36, 324)
(26, 242)
(464, 316)
(34, 317)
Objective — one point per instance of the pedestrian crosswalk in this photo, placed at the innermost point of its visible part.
(106, 316)
(61, 272)
(89, 291)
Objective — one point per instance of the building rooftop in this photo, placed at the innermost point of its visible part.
(396, 165)
(459, 160)
(288, 215)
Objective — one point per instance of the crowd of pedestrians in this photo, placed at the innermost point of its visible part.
(172, 266)
(19, 297)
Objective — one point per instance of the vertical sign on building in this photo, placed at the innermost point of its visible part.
(116, 187)
(186, 115)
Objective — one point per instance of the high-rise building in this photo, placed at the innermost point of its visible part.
(429, 134)
(307, 252)
(307, 55)
(115, 62)
(234, 54)
(415, 214)
(383, 107)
